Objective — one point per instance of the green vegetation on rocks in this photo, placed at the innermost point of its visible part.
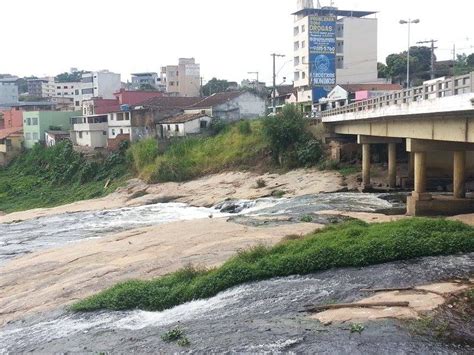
(352, 244)
(240, 146)
(47, 177)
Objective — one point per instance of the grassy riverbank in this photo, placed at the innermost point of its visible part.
(239, 146)
(352, 244)
(48, 177)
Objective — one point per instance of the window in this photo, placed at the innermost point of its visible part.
(78, 103)
(296, 61)
(35, 136)
(296, 30)
(58, 87)
(121, 130)
(171, 83)
(176, 128)
(297, 75)
(34, 121)
(28, 136)
(28, 121)
(203, 124)
(104, 133)
(113, 132)
(169, 128)
(80, 135)
(303, 75)
(65, 87)
(297, 46)
(76, 92)
(127, 116)
(87, 91)
(303, 28)
(303, 44)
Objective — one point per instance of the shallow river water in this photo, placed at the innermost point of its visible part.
(25, 237)
(258, 317)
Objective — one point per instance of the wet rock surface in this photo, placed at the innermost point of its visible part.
(258, 317)
(21, 238)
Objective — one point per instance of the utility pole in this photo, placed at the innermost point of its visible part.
(454, 60)
(432, 41)
(274, 55)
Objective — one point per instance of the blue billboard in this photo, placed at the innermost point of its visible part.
(322, 55)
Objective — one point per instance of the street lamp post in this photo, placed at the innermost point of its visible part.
(408, 22)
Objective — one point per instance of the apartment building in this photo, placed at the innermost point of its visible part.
(183, 79)
(102, 84)
(152, 79)
(41, 87)
(8, 90)
(332, 46)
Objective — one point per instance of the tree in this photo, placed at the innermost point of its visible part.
(382, 70)
(74, 77)
(147, 87)
(464, 64)
(214, 86)
(420, 64)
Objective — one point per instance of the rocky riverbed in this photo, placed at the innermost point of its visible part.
(259, 317)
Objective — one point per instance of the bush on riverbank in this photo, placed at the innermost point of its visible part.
(47, 177)
(238, 146)
(352, 244)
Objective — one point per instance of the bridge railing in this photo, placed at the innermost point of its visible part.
(434, 89)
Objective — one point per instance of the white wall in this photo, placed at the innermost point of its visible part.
(251, 106)
(359, 51)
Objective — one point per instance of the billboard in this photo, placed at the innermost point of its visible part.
(322, 55)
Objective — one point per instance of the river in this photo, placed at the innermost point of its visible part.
(258, 317)
(17, 239)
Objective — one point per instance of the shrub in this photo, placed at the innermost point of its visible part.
(244, 127)
(284, 130)
(309, 152)
(351, 244)
(143, 153)
(218, 126)
(261, 183)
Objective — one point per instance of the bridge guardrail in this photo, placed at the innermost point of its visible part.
(436, 89)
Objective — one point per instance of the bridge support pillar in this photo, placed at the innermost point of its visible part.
(459, 174)
(420, 175)
(392, 165)
(411, 166)
(366, 166)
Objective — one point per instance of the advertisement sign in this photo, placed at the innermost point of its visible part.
(322, 55)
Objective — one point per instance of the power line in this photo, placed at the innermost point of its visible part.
(433, 60)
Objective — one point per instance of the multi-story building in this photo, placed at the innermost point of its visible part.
(102, 84)
(141, 80)
(41, 87)
(8, 90)
(332, 46)
(36, 123)
(183, 79)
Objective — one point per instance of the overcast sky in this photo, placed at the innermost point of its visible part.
(228, 38)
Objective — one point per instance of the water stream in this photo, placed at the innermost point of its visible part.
(17, 239)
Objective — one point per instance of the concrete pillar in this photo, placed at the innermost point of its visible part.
(411, 166)
(366, 165)
(459, 175)
(420, 172)
(392, 165)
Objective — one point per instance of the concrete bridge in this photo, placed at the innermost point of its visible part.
(429, 120)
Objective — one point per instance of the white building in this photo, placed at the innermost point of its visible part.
(8, 90)
(71, 90)
(184, 125)
(149, 78)
(102, 84)
(183, 79)
(356, 47)
(230, 106)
